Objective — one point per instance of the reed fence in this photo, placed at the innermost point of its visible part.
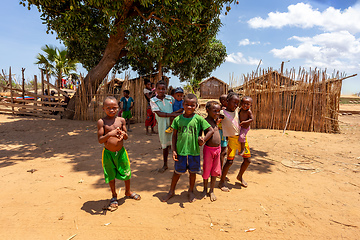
(93, 110)
(309, 103)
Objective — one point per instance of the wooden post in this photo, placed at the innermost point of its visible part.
(23, 83)
(11, 92)
(35, 89)
(42, 82)
(48, 80)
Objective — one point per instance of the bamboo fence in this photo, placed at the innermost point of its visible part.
(93, 110)
(310, 103)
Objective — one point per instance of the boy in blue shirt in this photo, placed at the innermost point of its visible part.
(185, 144)
(127, 105)
(177, 105)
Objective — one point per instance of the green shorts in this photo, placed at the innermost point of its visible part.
(116, 165)
(127, 114)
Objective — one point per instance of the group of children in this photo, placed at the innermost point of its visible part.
(225, 127)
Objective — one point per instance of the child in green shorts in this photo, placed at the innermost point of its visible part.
(115, 160)
(127, 103)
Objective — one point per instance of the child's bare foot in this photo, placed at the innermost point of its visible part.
(192, 197)
(242, 181)
(163, 169)
(168, 196)
(203, 195)
(212, 196)
(149, 134)
(153, 132)
(223, 187)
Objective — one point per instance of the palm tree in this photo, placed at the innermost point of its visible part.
(55, 62)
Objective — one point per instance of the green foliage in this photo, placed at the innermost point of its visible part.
(165, 31)
(56, 62)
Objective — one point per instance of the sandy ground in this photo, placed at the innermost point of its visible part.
(66, 194)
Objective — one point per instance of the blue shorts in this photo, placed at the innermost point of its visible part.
(187, 162)
(223, 139)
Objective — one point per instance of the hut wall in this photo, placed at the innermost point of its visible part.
(212, 88)
(310, 104)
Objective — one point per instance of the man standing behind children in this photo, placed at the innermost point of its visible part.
(185, 142)
(115, 160)
(127, 105)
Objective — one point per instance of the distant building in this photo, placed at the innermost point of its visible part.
(213, 88)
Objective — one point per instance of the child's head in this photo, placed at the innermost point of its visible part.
(110, 106)
(52, 93)
(147, 84)
(126, 93)
(190, 103)
(232, 101)
(161, 88)
(178, 93)
(223, 100)
(246, 102)
(213, 109)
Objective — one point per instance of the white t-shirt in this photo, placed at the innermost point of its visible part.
(230, 123)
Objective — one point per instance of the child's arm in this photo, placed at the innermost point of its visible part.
(132, 104)
(103, 138)
(179, 111)
(123, 130)
(163, 114)
(174, 140)
(208, 134)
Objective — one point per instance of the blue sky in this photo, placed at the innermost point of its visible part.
(311, 33)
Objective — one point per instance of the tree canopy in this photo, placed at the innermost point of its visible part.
(100, 32)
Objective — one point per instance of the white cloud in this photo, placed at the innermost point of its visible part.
(337, 50)
(239, 58)
(304, 16)
(246, 41)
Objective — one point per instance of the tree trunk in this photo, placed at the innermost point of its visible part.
(113, 52)
(159, 75)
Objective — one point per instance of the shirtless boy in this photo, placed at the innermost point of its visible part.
(115, 160)
(245, 118)
(212, 151)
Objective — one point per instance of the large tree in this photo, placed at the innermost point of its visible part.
(56, 62)
(100, 32)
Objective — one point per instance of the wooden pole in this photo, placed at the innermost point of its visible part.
(42, 82)
(11, 92)
(23, 82)
(35, 88)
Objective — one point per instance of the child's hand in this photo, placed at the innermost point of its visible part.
(201, 141)
(241, 123)
(175, 157)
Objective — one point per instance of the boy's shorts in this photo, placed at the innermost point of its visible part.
(233, 145)
(224, 142)
(187, 162)
(116, 165)
(127, 114)
(211, 162)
